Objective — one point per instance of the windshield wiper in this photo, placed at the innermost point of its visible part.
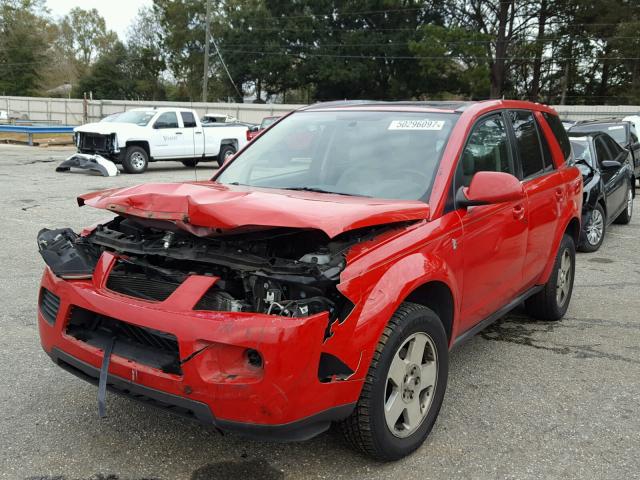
(321, 190)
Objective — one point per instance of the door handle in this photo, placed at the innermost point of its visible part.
(178, 133)
(518, 212)
(198, 133)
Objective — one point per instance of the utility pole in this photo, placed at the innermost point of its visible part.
(205, 76)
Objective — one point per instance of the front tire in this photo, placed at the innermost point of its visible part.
(625, 217)
(552, 302)
(404, 388)
(135, 160)
(593, 230)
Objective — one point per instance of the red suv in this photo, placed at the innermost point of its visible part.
(324, 273)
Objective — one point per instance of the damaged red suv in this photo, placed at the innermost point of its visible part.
(324, 273)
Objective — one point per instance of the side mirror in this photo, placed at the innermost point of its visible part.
(490, 187)
(610, 164)
(160, 125)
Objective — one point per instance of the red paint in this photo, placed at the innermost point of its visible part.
(485, 255)
(494, 187)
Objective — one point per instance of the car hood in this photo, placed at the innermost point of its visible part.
(216, 209)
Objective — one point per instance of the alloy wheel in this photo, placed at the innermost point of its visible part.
(410, 385)
(595, 227)
(629, 202)
(563, 283)
(137, 160)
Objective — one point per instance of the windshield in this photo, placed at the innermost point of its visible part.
(136, 117)
(390, 155)
(581, 150)
(617, 131)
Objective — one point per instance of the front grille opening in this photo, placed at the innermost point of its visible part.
(132, 280)
(49, 305)
(144, 345)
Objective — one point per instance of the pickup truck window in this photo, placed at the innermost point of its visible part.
(486, 151)
(382, 154)
(166, 120)
(527, 142)
(188, 119)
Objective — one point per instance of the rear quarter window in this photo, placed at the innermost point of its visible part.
(560, 133)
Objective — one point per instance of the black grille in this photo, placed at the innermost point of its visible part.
(49, 305)
(141, 286)
(144, 345)
(91, 141)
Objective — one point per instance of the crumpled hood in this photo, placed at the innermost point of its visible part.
(228, 207)
(107, 128)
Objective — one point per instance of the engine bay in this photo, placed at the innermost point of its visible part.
(278, 271)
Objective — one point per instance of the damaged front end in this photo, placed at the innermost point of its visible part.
(287, 272)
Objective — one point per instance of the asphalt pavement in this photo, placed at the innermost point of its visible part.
(526, 399)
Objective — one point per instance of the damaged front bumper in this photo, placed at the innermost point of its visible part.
(253, 373)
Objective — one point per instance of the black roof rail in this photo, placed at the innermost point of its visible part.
(457, 105)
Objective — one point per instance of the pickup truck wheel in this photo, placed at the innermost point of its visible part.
(625, 217)
(190, 163)
(552, 301)
(225, 152)
(593, 230)
(404, 388)
(135, 160)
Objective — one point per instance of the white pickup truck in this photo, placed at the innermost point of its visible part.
(144, 135)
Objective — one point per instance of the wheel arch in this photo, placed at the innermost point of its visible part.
(437, 296)
(229, 141)
(571, 228)
(140, 143)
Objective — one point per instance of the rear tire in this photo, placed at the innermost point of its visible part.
(593, 230)
(190, 163)
(625, 217)
(225, 152)
(394, 417)
(135, 160)
(552, 302)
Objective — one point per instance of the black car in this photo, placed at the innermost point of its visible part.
(609, 186)
(621, 131)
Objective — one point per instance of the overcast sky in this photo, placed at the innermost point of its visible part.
(117, 13)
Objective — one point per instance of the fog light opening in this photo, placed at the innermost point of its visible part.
(254, 358)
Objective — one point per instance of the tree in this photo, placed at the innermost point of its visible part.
(24, 40)
(84, 36)
(147, 55)
(111, 77)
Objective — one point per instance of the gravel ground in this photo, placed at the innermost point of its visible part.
(525, 399)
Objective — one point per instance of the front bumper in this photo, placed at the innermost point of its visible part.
(284, 399)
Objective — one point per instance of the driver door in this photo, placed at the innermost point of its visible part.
(494, 239)
(167, 137)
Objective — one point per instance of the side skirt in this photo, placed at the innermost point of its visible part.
(496, 315)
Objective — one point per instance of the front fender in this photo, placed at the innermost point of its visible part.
(355, 339)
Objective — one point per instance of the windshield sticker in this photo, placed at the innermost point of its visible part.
(617, 127)
(416, 125)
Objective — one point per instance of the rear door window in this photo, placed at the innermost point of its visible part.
(527, 142)
(188, 119)
(560, 133)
